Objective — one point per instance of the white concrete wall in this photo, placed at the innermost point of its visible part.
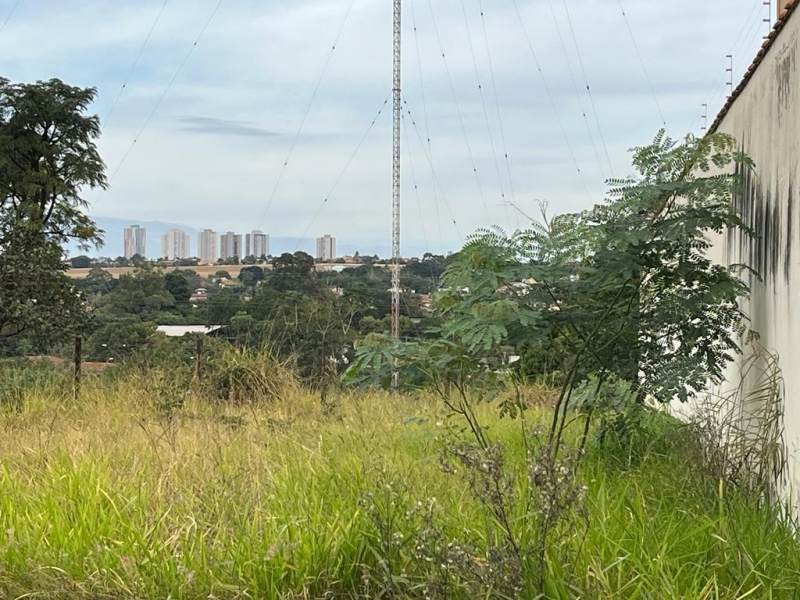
(765, 120)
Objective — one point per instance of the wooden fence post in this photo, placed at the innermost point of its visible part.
(198, 360)
(76, 384)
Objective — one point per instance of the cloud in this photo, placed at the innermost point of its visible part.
(217, 144)
(217, 126)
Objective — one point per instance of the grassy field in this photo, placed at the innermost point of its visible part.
(131, 495)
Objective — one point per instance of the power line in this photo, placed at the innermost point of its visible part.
(410, 156)
(552, 101)
(458, 111)
(342, 172)
(748, 44)
(425, 118)
(641, 62)
(485, 114)
(497, 105)
(135, 62)
(167, 89)
(307, 112)
(430, 162)
(8, 16)
(575, 87)
(588, 87)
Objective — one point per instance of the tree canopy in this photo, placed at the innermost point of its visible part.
(48, 156)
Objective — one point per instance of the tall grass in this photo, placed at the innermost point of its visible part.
(118, 497)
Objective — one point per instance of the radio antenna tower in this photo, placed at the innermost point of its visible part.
(398, 108)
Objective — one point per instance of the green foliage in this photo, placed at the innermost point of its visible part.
(194, 280)
(80, 262)
(142, 293)
(37, 299)
(119, 339)
(21, 379)
(177, 285)
(293, 272)
(97, 283)
(251, 276)
(222, 305)
(47, 157)
(625, 288)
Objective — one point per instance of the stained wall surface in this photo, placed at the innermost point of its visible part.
(764, 117)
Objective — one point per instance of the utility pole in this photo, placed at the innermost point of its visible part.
(705, 118)
(398, 109)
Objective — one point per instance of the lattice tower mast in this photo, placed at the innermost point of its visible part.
(397, 94)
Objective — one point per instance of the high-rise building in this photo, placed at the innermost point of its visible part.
(134, 241)
(326, 247)
(256, 244)
(230, 246)
(176, 244)
(208, 246)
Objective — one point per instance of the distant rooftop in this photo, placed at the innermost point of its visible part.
(182, 330)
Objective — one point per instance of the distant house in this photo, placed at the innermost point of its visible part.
(199, 295)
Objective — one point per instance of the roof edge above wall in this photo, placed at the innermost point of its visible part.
(788, 11)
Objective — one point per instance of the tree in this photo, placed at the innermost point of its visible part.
(48, 156)
(138, 261)
(97, 282)
(251, 276)
(80, 262)
(37, 299)
(194, 279)
(293, 272)
(625, 288)
(141, 293)
(222, 306)
(118, 340)
(178, 285)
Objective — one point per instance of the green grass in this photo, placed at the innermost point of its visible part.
(117, 498)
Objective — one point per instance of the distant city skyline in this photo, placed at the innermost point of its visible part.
(367, 244)
(212, 246)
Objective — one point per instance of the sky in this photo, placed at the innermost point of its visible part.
(258, 114)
